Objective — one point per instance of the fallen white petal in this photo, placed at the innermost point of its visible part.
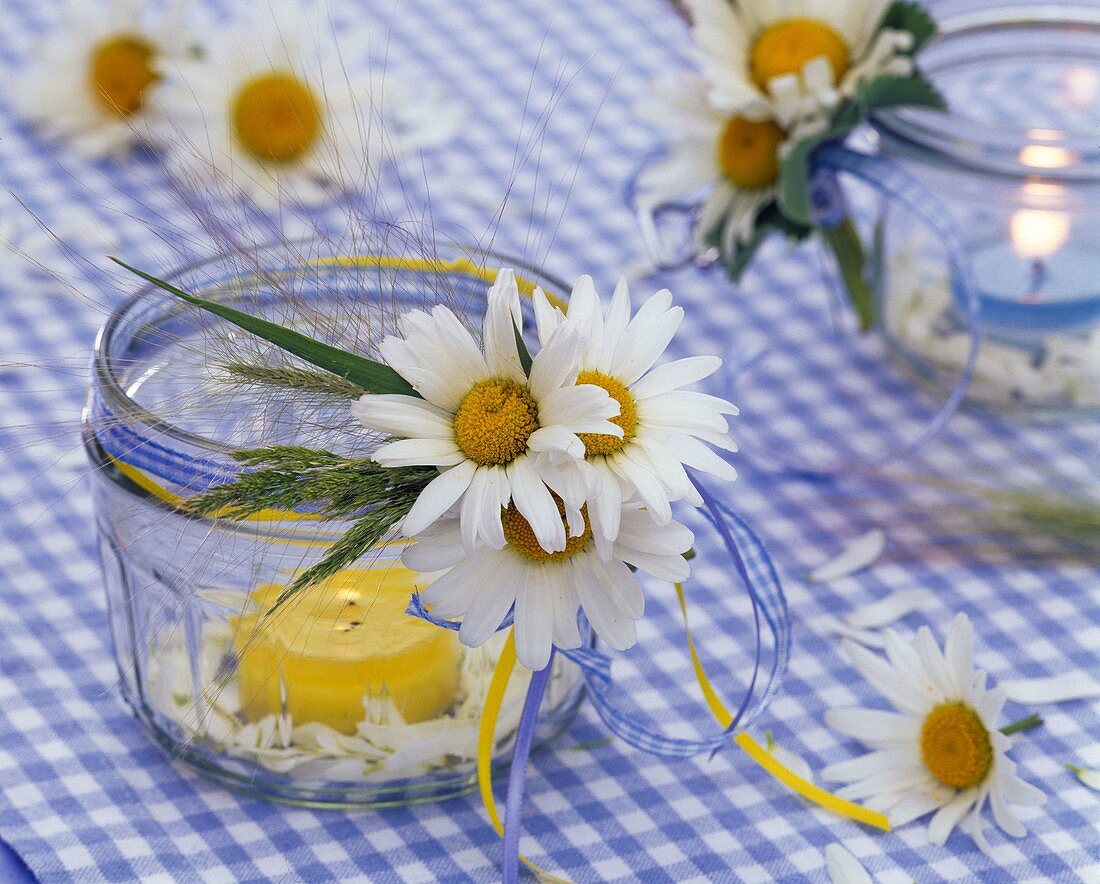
(794, 762)
(1058, 689)
(832, 626)
(1090, 778)
(844, 868)
(858, 555)
(890, 609)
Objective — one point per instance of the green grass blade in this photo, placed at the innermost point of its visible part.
(375, 377)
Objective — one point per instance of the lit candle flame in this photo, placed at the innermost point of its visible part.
(1039, 233)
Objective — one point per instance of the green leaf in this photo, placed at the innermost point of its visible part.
(769, 221)
(851, 260)
(375, 377)
(905, 15)
(880, 93)
(794, 176)
(911, 91)
(524, 354)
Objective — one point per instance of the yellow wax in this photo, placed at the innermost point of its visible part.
(336, 642)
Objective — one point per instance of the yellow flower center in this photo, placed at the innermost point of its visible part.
(955, 746)
(627, 421)
(120, 70)
(786, 46)
(520, 537)
(276, 117)
(748, 152)
(494, 422)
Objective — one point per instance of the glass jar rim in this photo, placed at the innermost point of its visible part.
(998, 149)
(108, 382)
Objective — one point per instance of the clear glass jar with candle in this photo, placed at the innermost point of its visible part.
(338, 698)
(1016, 161)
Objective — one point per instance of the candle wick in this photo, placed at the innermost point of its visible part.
(1039, 276)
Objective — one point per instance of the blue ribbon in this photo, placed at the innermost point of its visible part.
(517, 774)
(751, 562)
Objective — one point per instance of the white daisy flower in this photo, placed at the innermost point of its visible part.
(732, 157)
(548, 588)
(277, 108)
(91, 79)
(941, 751)
(663, 428)
(483, 420)
(794, 59)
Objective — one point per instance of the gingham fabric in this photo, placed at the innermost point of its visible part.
(86, 796)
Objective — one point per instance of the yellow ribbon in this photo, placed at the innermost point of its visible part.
(761, 756)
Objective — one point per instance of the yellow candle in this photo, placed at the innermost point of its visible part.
(336, 642)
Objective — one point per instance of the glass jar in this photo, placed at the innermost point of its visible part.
(1016, 162)
(337, 698)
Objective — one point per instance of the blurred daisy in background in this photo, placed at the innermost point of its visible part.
(733, 158)
(941, 752)
(279, 107)
(91, 79)
(794, 59)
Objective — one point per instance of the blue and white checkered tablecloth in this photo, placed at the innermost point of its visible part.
(86, 796)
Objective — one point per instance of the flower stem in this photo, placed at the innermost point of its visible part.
(850, 259)
(1024, 724)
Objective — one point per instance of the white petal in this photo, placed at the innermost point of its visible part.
(1004, 816)
(647, 349)
(872, 727)
(615, 322)
(566, 629)
(843, 868)
(534, 622)
(1090, 778)
(673, 375)
(557, 363)
(905, 696)
(880, 761)
(638, 475)
(622, 586)
(502, 318)
(404, 416)
(481, 507)
(532, 499)
(832, 626)
(584, 408)
(434, 551)
(438, 497)
(859, 554)
(453, 594)
(948, 816)
(494, 599)
(614, 625)
(914, 806)
(959, 653)
(556, 439)
(890, 609)
(457, 352)
(419, 452)
(605, 507)
(1069, 686)
(547, 316)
